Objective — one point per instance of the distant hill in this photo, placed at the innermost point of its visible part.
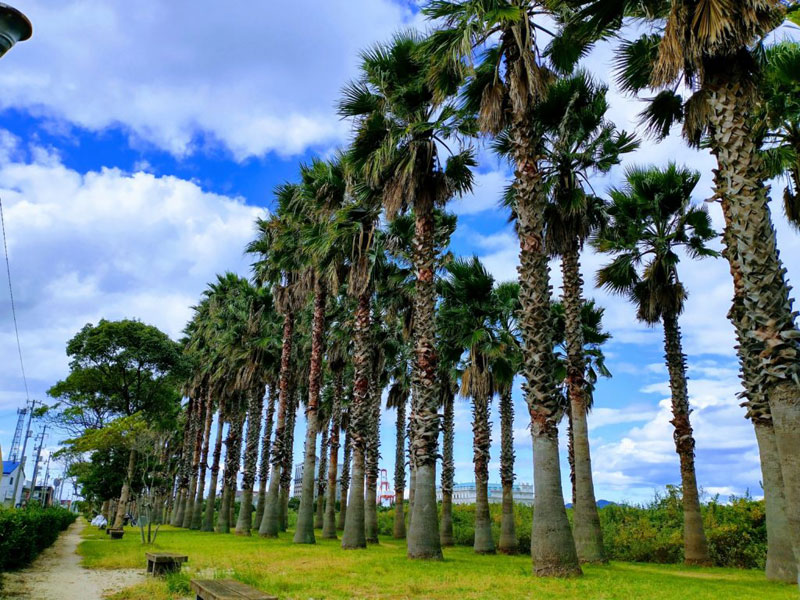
(600, 504)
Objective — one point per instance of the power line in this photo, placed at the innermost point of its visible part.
(13, 307)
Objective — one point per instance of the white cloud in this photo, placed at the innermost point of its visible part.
(253, 76)
(105, 244)
(486, 195)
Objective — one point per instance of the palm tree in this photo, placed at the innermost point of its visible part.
(578, 141)
(506, 360)
(398, 127)
(276, 246)
(266, 447)
(336, 365)
(398, 399)
(652, 217)
(338, 351)
(502, 90)
(233, 455)
(320, 193)
(344, 479)
(354, 228)
(448, 386)
(467, 316)
(781, 121)
(322, 471)
(593, 338)
(715, 53)
(197, 511)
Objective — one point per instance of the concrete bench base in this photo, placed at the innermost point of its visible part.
(226, 589)
(161, 563)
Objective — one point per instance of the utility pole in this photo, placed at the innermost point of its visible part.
(30, 409)
(36, 464)
(46, 479)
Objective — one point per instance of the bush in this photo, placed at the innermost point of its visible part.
(736, 531)
(25, 532)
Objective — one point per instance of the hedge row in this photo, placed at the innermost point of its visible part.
(736, 530)
(24, 533)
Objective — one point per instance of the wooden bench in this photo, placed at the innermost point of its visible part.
(226, 589)
(116, 534)
(160, 563)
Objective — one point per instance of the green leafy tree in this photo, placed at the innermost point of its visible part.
(134, 369)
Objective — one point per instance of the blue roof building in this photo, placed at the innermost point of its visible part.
(13, 480)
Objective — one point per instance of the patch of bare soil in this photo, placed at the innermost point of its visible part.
(57, 574)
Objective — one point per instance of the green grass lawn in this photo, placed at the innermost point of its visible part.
(382, 571)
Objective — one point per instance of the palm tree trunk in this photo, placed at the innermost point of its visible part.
(552, 545)
(587, 531)
(125, 494)
(694, 538)
(412, 471)
(304, 533)
(329, 520)
(322, 477)
(448, 467)
(197, 420)
(208, 517)
(254, 409)
(751, 236)
(354, 535)
(399, 529)
(371, 460)
(233, 447)
(344, 484)
(269, 522)
(265, 451)
(481, 442)
(508, 543)
(288, 462)
(183, 480)
(197, 510)
(781, 564)
(423, 536)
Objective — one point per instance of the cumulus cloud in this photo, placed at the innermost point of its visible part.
(254, 77)
(104, 244)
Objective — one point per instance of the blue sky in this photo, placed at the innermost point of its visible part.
(137, 147)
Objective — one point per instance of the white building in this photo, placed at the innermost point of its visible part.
(298, 480)
(464, 493)
(12, 475)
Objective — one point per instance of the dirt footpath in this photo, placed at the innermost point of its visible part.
(58, 575)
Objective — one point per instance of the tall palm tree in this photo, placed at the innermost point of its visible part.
(197, 511)
(320, 194)
(266, 447)
(467, 317)
(338, 352)
(276, 247)
(344, 479)
(578, 141)
(714, 51)
(233, 455)
(506, 360)
(593, 338)
(447, 387)
(354, 228)
(336, 366)
(503, 88)
(399, 125)
(652, 217)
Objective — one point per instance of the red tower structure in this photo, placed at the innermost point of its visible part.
(384, 489)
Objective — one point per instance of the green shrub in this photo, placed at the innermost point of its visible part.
(736, 531)
(24, 533)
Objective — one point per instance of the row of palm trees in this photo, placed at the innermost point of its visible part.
(354, 290)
